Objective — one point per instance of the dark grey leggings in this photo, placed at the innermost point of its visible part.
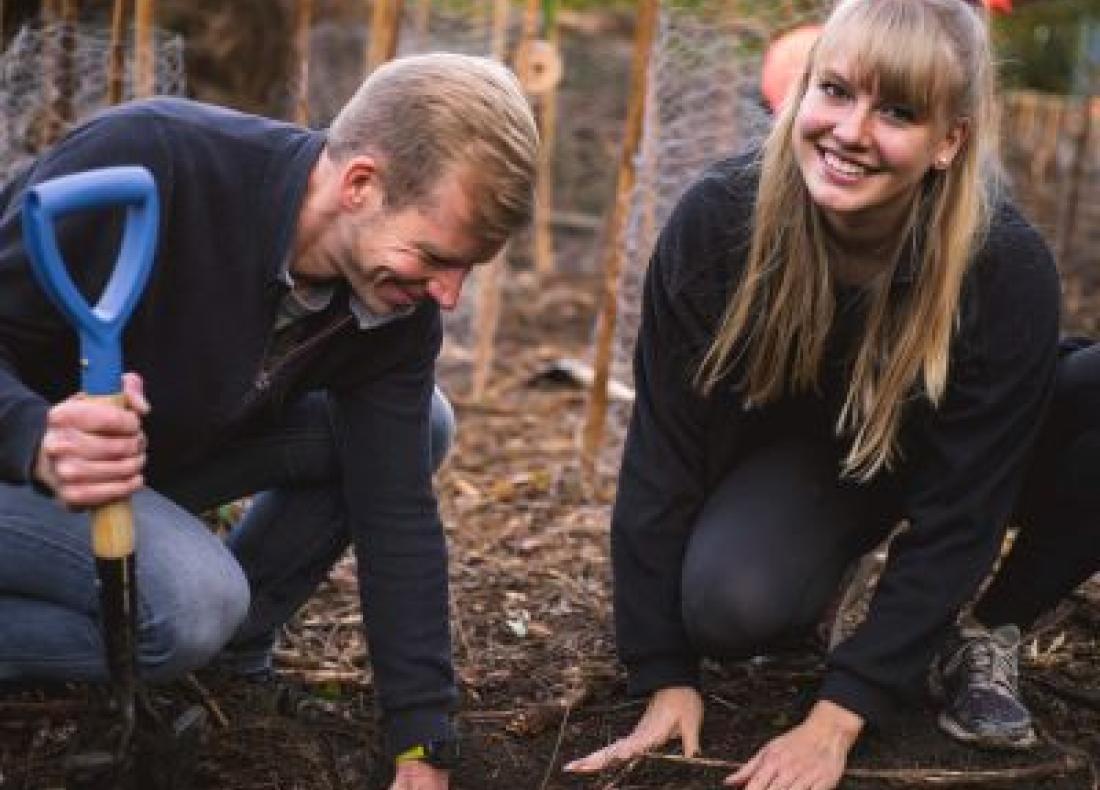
(775, 536)
(770, 547)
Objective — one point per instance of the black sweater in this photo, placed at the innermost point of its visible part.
(962, 463)
(230, 189)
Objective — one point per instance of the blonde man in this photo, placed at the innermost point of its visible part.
(286, 342)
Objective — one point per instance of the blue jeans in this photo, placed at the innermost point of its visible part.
(194, 595)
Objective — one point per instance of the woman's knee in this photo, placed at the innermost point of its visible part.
(735, 614)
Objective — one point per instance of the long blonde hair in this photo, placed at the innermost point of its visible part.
(934, 56)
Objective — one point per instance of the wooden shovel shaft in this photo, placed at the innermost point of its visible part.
(113, 547)
(113, 523)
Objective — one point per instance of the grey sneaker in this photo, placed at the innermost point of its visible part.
(978, 679)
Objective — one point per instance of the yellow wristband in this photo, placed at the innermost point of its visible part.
(417, 752)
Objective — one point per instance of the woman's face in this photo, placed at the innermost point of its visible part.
(863, 157)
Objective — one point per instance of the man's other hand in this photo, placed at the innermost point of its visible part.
(93, 450)
(418, 775)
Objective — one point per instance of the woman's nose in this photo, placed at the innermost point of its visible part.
(853, 127)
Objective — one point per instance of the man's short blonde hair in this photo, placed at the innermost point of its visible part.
(426, 116)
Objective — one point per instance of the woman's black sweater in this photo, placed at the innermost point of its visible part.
(957, 479)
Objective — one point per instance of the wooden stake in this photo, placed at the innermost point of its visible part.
(58, 67)
(596, 412)
(499, 48)
(303, 23)
(385, 32)
(544, 198)
(1068, 224)
(488, 318)
(422, 17)
(145, 55)
(117, 57)
(487, 315)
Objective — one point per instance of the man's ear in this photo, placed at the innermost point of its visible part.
(361, 183)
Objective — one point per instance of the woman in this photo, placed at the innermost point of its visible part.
(849, 330)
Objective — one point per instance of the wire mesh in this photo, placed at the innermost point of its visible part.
(703, 103)
(31, 100)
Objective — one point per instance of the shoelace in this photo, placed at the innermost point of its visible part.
(990, 665)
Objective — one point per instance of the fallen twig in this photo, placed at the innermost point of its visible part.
(208, 700)
(916, 776)
(623, 773)
(557, 748)
(1088, 697)
(345, 677)
(17, 709)
(1076, 752)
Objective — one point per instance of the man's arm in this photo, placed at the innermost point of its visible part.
(382, 432)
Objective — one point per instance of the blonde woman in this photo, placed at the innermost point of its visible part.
(850, 329)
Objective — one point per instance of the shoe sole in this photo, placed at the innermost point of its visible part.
(1022, 742)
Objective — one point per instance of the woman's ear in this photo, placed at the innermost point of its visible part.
(958, 132)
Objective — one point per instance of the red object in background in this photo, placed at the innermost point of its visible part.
(1004, 6)
(784, 61)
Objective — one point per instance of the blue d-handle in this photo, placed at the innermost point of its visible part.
(100, 327)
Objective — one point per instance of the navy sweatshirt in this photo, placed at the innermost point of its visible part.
(957, 480)
(230, 188)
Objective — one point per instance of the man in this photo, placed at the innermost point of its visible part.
(285, 345)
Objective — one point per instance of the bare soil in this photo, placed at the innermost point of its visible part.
(533, 642)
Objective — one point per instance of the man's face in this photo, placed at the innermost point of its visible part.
(394, 259)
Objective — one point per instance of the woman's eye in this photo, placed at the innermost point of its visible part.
(899, 113)
(832, 90)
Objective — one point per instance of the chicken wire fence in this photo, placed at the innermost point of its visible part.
(703, 102)
(38, 64)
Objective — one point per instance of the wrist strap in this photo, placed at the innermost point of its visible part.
(417, 752)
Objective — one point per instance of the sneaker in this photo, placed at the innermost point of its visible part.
(978, 682)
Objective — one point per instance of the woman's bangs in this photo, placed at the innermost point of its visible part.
(893, 51)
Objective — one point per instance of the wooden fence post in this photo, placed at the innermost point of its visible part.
(385, 32)
(1068, 223)
(116, 59)
(487, 316)
(145, 56)
(422, 17)
(544, 203)
(303, 23)
(596, 412)
(59, 41)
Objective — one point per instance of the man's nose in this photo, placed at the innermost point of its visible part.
(446, 286)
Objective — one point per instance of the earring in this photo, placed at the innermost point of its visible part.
(943, 163)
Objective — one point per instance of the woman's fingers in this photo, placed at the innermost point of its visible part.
(612, 754)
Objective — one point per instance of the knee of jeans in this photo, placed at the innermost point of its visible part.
(734, 615)
(192, 625)
(442, 427)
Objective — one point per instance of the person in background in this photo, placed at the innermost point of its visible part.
(285, 343)
(850, 328)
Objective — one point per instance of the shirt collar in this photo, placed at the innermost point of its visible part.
(306, 299)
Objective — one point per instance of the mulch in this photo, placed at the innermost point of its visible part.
(533, 642)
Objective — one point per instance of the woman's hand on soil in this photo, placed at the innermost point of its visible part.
(810, 756)
(93, 451)
(675, 712)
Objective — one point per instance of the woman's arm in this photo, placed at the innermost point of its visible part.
(963, 465)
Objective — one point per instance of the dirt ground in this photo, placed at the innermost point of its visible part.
(539, 681)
